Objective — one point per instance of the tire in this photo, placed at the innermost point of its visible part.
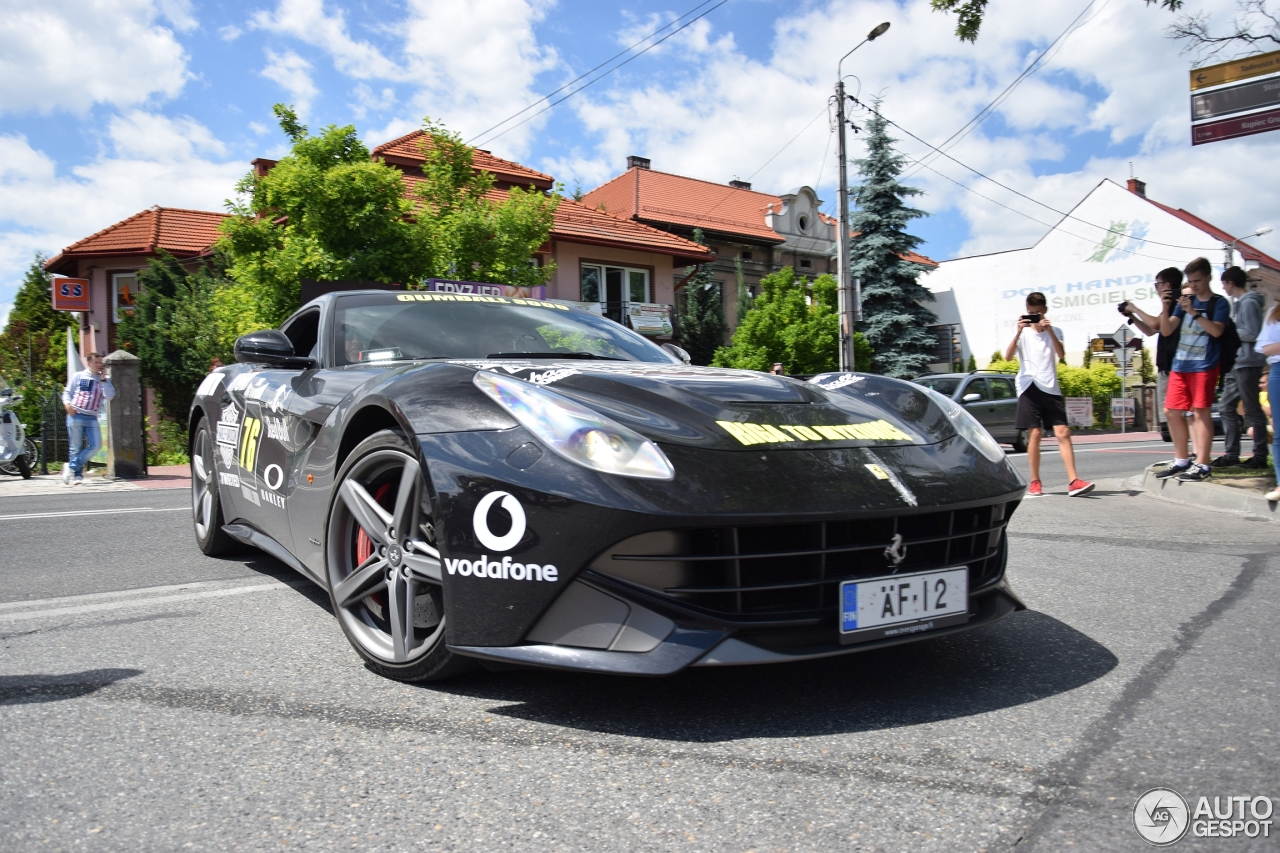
(383, 568)
(206, 506)
(1020, 442)
(23, 466)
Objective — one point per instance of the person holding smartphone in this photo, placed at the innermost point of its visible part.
(1202, 316)
(83, 398)
(1041, 406)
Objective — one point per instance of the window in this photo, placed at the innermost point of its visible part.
(746, 256)
(124, 290)
(1002, 389)
(976, 386)
(303, 333)
(805, 264)
(804, 222)
(614, 284)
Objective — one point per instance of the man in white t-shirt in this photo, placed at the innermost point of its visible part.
(1038, 346)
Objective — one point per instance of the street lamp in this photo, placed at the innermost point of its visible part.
(849, 293)
(1230, 248)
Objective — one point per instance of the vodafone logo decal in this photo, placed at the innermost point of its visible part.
(480, 521)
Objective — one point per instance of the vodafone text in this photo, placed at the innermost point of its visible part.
(505, 569)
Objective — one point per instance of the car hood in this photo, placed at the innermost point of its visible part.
(726, 409)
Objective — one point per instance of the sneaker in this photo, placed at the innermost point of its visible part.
(1255, 462)
(79, 480)
(66, 473)
(1195, 474)
(1273, 495)
(1078, 487)
(1035, 490)
(1172, 471)
(1225, 462)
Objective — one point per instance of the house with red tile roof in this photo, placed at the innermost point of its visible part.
(759, 231)
(612, 261)
(111, 258)
(1104, 251)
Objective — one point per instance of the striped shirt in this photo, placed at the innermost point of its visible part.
(86, 393)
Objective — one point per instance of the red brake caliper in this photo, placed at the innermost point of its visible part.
(364, 545)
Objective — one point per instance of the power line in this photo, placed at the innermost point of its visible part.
(629, 59)
(1011, 189)
(771, 159)
(1036, 64)
(587, 73)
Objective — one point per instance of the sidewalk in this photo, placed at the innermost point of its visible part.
(1105, 438)
(158, 477)
(1210, 494)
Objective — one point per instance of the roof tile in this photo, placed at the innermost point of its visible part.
(176, 230)
(677, 200)
(409, 148)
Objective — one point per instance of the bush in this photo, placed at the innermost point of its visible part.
(171, 448)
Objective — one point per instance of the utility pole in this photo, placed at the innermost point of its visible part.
(850, 291)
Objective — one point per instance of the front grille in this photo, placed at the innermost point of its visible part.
(790, 573)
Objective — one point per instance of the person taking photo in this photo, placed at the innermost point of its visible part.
(1038, 345)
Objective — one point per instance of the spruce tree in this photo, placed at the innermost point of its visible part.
(33, 353)
(895, 322)
(702, 324)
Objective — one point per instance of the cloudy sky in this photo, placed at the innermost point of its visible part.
(110, 106)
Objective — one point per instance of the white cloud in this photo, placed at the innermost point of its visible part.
(68, 55)
(230, 32)
(716, 112)
(293, 74)
(307, 21)
(368, 101)
(149, 159)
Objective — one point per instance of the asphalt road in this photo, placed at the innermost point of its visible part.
(152, 699)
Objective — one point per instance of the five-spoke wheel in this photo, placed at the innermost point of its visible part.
(384, 569)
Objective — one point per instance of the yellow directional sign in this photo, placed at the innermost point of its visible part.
(1238, 69)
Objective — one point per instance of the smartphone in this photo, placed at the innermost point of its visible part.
(1031, 318)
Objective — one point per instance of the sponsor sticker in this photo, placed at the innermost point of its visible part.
(249, 494)
(464, 297)
(844, 381)
(480, 521)
(550, 376)
(503, 569)
(209, 385)
(232, 480)
(749, 433)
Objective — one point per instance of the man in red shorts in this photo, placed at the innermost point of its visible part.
(1202, 316)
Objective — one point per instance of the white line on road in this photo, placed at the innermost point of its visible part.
(71, 513)
(140, 597)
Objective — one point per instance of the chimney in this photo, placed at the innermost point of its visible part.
(1137, 187)
(741, 185)
(634, 162)
(262, 165)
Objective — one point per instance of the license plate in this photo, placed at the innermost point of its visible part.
(897, 605)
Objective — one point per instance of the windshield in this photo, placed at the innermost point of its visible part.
(945, 387)
(393, 326)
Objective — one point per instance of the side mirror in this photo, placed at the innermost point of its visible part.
(971, 398)
(677, 352)
(272, 348)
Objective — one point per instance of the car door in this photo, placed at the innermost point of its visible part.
(976, 398)
(1004, 399)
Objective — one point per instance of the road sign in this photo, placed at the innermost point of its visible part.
(71, 294)
(1235, 99)
(1231, 128)
(1239, 69)
(1123, 335)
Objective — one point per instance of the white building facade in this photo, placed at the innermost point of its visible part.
(1105, 251)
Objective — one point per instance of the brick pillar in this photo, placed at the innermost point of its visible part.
(126, 451)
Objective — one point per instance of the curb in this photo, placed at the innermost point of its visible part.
(1209, 495)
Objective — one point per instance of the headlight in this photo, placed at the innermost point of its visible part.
(575, 432)
(967, 425)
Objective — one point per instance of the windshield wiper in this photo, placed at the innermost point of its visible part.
(554, 355)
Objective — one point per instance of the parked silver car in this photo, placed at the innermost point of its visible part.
(989, 396)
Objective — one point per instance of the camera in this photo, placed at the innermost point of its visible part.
(1031, 318)
(1123, 306)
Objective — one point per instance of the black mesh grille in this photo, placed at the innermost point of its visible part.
(793, 571)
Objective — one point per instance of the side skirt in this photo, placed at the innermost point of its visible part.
(257, 539)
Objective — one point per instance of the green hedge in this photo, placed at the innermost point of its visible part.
(1100, 381)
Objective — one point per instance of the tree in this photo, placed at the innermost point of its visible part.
(327, 211)
(177, 330)
(973, 363)
(702, 324)
(970, 14)
(1254, 26)
(1148, 368)
(894, 320)
(788, 324)
(469, 233)
(33, 355)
